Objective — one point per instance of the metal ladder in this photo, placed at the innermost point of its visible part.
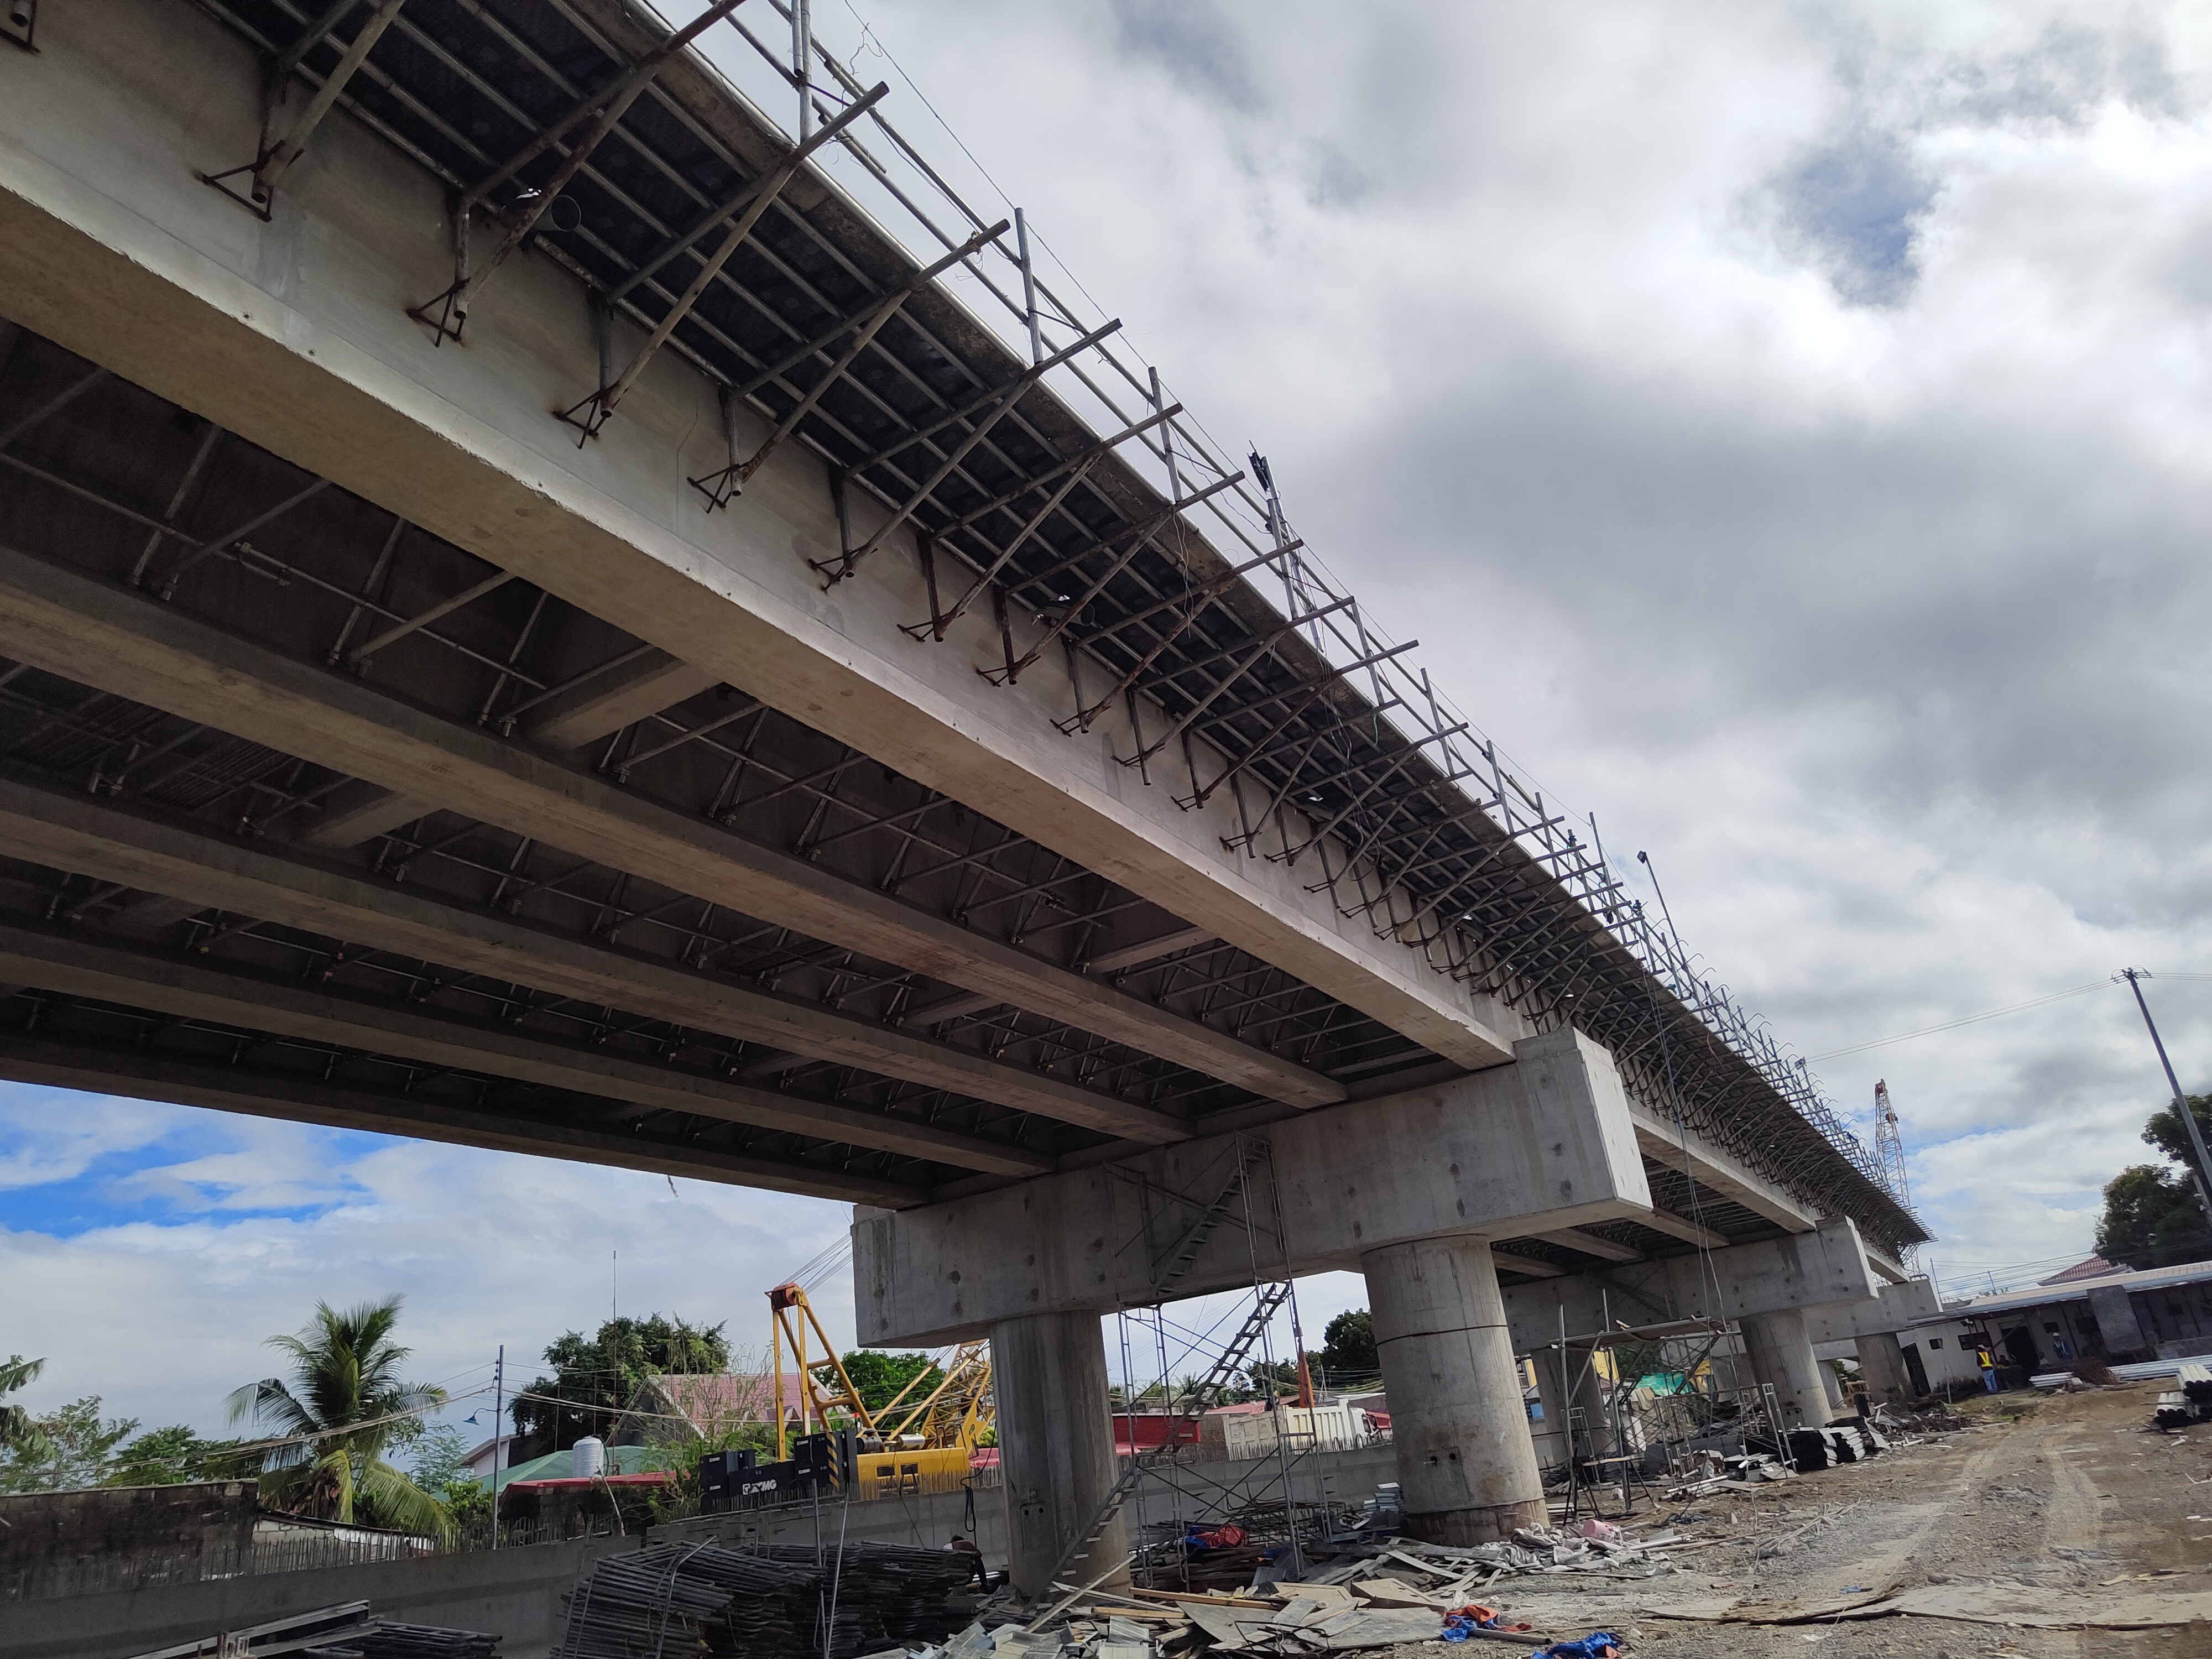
(1234, 1359)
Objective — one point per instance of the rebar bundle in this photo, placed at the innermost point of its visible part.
(897, 1590)
(776, 1604)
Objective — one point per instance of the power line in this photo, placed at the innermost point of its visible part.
(1967, 1019)
(1993, 1013)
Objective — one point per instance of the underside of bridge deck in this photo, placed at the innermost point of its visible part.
(941, 810)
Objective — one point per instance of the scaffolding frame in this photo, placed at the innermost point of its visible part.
(1247, 1201)
(1626, 1433)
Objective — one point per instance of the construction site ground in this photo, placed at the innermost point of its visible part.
(2054, 1503)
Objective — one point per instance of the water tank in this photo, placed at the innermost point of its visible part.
(591, 1455)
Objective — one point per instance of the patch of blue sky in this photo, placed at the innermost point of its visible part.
(72, 1163)
(1858, 205)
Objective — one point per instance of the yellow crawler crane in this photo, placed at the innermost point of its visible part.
(904, 1444)
(823, 1387)
(956, 1414)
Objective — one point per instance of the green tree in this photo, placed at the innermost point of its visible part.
(441, 1457)
(2165, 1131)
(1263, 1377)
(173, 1456)
(439, 1466)
(680, 1455)
(345, 1406)
(878, 1378)
(2153, 1218)
(1347, 1355)
(17, 1435)
(65, 1449)
(595, 1378)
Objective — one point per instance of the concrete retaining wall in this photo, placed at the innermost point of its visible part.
(516, 1593)
(49, 1533)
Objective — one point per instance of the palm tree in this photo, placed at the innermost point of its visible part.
(19, 1433)
(343, 1404)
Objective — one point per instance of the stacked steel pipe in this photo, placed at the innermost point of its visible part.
(391, 1641)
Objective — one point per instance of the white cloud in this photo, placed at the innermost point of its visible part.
(56, 1134)
(162, 1318)
(1787, 431)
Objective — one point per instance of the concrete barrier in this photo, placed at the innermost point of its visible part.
(515, 1593)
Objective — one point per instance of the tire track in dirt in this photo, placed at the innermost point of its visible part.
(2073, 1518)
(1916, 1539)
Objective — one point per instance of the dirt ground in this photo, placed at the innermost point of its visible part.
(2063, 1493)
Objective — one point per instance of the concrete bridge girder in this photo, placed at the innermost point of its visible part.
(1546, 1140)
(68, 831)
(126, 643)
(73, 964)
(294, 334)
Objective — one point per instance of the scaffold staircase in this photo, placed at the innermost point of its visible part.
(1182, 1255)
(1234, 1359)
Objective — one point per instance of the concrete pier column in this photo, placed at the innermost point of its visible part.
(1781, 1353)
(1055, 1444)
(1467, 1467)
(1882, 1364)
(1831, 1385)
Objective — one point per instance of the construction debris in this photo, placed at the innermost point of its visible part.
(346, 1630)
(299, 1631)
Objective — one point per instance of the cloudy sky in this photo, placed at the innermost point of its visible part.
(1787, 429)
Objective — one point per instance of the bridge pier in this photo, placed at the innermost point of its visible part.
(1467, 1465)
(1882, 1367)
(1872, 1326)
(1781, 1355)
(1055, 1445)
(1540, 1145)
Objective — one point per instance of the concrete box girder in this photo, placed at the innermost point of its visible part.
(294, 334)
(125, 642)
(70, 832)
(1478, 1156)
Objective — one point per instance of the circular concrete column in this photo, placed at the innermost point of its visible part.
(1467, 1468)
(1781, 1354)
(1882, 1367)
(1055, 1445)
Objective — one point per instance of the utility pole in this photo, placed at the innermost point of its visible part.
(498, 1416)
(802, 64)
(2203, 1169)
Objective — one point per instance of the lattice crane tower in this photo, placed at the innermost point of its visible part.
(1889, 1145)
